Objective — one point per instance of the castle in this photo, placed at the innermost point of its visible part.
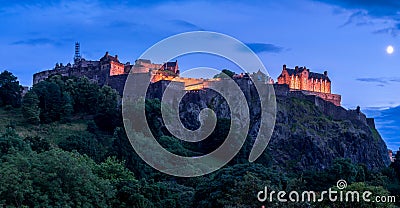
(310, 83)
(110, 71)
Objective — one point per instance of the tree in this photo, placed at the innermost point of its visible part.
(50, 101)
(114, 171)
(107, 116)
(225, 72)
(38, 144)
(10, 90)
(237, 186)
(54, 104)
(53, 178)
(10, 143)
(30, 107)
(85, 95)
(84, 144)
(123, 150)
(67, 107)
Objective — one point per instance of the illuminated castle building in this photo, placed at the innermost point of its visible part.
(110, 71)
(302, 79)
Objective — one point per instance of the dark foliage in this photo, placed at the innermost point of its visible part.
(10, 90)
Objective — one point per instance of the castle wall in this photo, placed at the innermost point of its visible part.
(336, 112)
(116, 68)
(333, 98)
(281, 89)
(117, 82)
(156, 90)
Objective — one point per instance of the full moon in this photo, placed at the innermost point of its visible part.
(389, 49)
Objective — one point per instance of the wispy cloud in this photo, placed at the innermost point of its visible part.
(377, 8)
(375, 80)
(396, 79)
(186, 24)
(389, 30)
(265, 47)
(388, 124)
(358, 18)
(366, 12)
(37, 41)
(381, 81)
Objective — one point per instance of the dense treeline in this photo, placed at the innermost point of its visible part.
(99, 168)
(58, 97)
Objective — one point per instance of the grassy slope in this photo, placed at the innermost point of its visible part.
(53, 132)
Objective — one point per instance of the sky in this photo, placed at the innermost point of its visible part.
(348, 38)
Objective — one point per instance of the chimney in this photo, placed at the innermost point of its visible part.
(116, 56)
(284, 67)
(106, 53)
(296, 68)
(326, 73)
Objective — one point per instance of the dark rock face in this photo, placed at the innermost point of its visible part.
(309, 132)
(306, 138)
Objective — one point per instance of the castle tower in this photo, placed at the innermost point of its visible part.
(77, 56)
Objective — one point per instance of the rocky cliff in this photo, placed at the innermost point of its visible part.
(309, 132)
(305, 137)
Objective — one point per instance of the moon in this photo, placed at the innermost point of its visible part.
(389, 49)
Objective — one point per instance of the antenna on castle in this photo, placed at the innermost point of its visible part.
(77, 56)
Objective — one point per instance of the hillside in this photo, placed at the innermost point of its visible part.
(314, 144)
(309, 133)
(306, 138)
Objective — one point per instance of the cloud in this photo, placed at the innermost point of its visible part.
(381, 81)
(265, 47)
(186, 24)
(376, 8)
(374, 80)
(36, 42)
(355, 18)
(363, 11)
(389, 30)
(396, 79)
(387, 122)
(26, 3)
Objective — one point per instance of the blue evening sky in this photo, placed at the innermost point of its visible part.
(348, 38)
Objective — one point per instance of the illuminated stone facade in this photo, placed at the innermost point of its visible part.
(302, 79)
